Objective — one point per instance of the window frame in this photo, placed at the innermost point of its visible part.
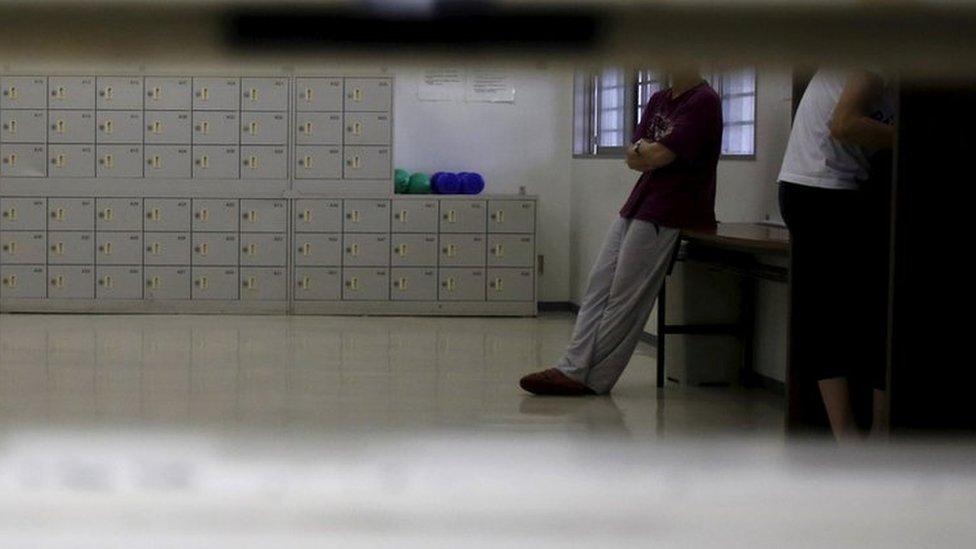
(719, 88)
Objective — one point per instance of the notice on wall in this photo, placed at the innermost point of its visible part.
(443, 84)
(485, 86)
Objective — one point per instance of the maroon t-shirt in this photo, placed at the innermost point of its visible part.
(682, 194)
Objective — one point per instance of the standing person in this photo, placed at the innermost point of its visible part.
(676, 148)
(837, 208)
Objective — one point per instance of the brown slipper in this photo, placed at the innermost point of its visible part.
(554, 382)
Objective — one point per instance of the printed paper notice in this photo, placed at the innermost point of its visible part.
(489, 87)
(441, 85)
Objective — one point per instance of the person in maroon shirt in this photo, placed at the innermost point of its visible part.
(676, 148)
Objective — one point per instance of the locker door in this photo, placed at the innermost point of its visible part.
(71, 92)
(118, 214)
(70, 248)
(511, 216)
(264, 94)
(124, 248)
(368, 94)
(415, 216)
(23, 247)
(366, 216)
(264, 249)
(511, 285)
(168, 162)
(367, 128)
(215, 214)
(463, 216)
(23, 214)
(119, 161)
(318, 249)
(23, 126)
(264, 162)
(215, 248)
(167, 249)
(167, 283)
(71, 126)
(168, 93)
(71, 160)
(119, 127)
(221, 94)
(320, 216)
(118, 282)
(23, 160)
(414, 250)
(216, 128)
(318, 284)
(23, 92)
(259, 215)
(462, 250)
(71, 282)
(366, 250)
(264, 128)
(366, 162)
(264, 284)
(168, 128)
(319, 128)
(167, 214)
(410, 284)
(23, 282)
(318, 162)
(462, 285)
(511, 250)
(216, 162)
(119, 92)
(365, 284)
(71, 214)
(319, 94)
(215, 283)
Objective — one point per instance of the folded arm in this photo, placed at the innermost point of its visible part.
(851, 122)
(646, 156)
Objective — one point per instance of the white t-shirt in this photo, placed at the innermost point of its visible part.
(813, 157)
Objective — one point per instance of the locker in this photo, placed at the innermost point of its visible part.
(167, 161)
(168, 93)
(119, 161)
(415, 216)
(463, 216)
(264, 284)
(118, 214)
(166, 282)
(511, 250)
(70, 248)
(511, 216)
(71, 214)
(23, 247)
(23, 126)
(511, 285)
(264, 128)
(412, 284)
(320, 216)
(23, 160)
(318, 162)
(366, 162)
(462, 250)
(166, 248)
(264, 94)
(71, 282)
(367, 129)
(116, 282)
(71, 92)
(167, 214)
(368, 94)
(118, 248)
(318, 94)
(119, 92)
(215, 283)
(216, 162)
(414, 250)
(23, 92)
(318, 284)
(264, 162)
(259, 215)
(119, 127)
(366, 216)
(215, 248)
(366, 250)
(23, 214)
(215, 214)
(221, 94)
(319, 128)
(216, 128)
(461, 285)
(71, 126)
(318, 249)
(266, 249)
(23, 281)
(71, 160)
(168, 128)
(365, 284)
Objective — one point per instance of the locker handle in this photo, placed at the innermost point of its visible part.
(156, 93)
(355, 129)
(203, 215)
(203, 283)
(401, 284)
(252, 94)
(11, 213)
(11, 160)
(155, 162)
(250, 249)
(202, 249)
(355, 162)
(496, 284)
(107, 93)
(154, 215)
(497, 250)
(10, 248)
(106, 248)
(305, 128)
(353, 216)
(251, 128)
(58, 126)
(353, 283)
(251, 162)
(305, 162)
(306, 216)
(450, 250)
(450, 284)
(11, 126)
(108, 127)
(10, 281)
(204, 162)
(203, 127)
(204, 94)
(58, 281)
(401, 250)
(401, 216)
(106, 282)
(305, 249)
(451, 216)
(307, 96)
(59, 160)
(154, 249)
(498, 216)
(153, 282)
(106, 214)
(304, 283)
(353, 250)
(107, 161)
(156, 127)
(59, 93)
(251, 216)
(356, 95)
(11, 92)
(251, 283)
(58, 214)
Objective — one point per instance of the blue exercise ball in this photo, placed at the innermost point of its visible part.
(471, 183)
(448, 183)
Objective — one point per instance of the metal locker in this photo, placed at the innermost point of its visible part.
(116, 282)
(215, 214)
(365, 284)
(166, 282)
(167, 214)
(318, 94)
(511, 250)
(264, 215)
(216, 162)
(118, 214)
(318, 216)
(318, 128)
(462, 250)
(119, 161)
(23, 247)
(119, 92)
(511, 285)
(23, 281)
(71, 160)
(71, 214)
(23, 214)
(71, 282)
(216, 128)
(265, 249)
(367, 128)
(362, 162)
(366, 216)
(368, 94)
(461, 285)
(264, 94)
(23, 126)
(71, 126)
(119, 127)
(168, 128)
(318, 284)
(70, 248)
(264, 128)
(264, 283)
(23, 92)
(413, 284)
(118, 248)
(365, 250)
(23, 160)
(215, 283)
(168, 93)
(511, 216)
(414, 250)
(463, 216)
(71, 92)
(318, 162)
(166, 248)
(215, 248)
(321, 249)
(221, 94)
(167, 161)
(415, 216)
(264, 162)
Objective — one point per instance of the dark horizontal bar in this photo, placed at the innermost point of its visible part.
(701, 329)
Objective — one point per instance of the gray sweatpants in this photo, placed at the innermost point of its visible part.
(619, 298)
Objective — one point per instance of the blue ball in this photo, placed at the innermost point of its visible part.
(433, 182)
(471, 183)
(448, 183)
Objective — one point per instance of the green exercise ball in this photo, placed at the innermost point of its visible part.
(401, 180)
(419, 184)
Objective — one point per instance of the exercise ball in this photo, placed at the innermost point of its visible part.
(419, 184)
(448, 183)
(401, 180)
(471, 183)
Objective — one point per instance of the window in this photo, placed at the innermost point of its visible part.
(738, 91)
(648, 83)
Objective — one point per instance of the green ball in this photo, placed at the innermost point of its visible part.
(419, 184)
(401, 180)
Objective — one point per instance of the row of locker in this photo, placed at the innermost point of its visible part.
(196, 93)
